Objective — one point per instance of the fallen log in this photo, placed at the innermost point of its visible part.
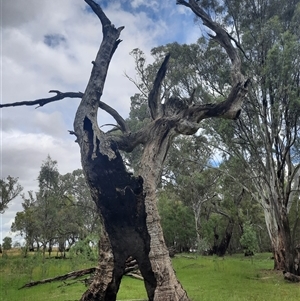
(291, 277)
(131, 267)
(70, 275)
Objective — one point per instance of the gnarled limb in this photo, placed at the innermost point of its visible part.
(222, 37)
(43, 101)
(121, 122)
(154, 103)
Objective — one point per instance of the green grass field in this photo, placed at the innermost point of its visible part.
(233, 278)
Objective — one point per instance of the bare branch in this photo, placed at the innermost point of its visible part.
(222, 37)
(88, 108)
(114, 129)
(121, 122)
(154, 95)
(43, 101)
(228, 109)
(106, 23)
(136, 84)
(71, 275)
(99, 12)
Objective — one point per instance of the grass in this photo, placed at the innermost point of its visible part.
(234, 278)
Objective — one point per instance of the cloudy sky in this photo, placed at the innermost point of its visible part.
(50, 45)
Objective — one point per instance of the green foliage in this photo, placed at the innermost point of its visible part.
(60, 213)
(249, 239)
(86, 248)
(9, 189)
(7, 243)
(177, 223)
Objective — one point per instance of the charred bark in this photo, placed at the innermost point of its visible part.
(220, 246)
(128, 204)
(121, 201)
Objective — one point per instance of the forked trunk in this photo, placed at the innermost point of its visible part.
(128, 204)
(220, 247)
(131, 226)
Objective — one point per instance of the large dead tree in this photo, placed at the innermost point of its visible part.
(127, 203)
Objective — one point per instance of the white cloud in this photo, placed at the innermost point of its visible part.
(154, 4)
(30, 68)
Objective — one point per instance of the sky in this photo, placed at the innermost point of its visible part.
(49, 45)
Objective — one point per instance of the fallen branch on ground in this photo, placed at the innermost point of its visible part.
(131, 266)
(71, 275)
(291, 277)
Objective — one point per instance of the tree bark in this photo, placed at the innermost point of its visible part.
(155, 151)
(279, 231)
(291, 277)
(128, 204)
(220, 248)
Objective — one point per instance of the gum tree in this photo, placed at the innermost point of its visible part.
(9, 189)
(265, 140)
(128, 204)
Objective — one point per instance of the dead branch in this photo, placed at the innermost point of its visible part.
(131, 269)
(42, 101)
(71, 275)
(222, 37)
(291, 277)
(154, 95)
(121, 122)
(99, 12)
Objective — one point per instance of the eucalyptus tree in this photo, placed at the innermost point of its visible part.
(9, 189)
(61, 212)
(7, 243)
(26, 222)
(127, 203)
(264, 138)
(79, 214)
(189, 176)
(48, 202)
(39, 222)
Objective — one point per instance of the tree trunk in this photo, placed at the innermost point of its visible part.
(167, 286)
(221, 248)
(127, 204)
(131, 226)
(277, 222)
